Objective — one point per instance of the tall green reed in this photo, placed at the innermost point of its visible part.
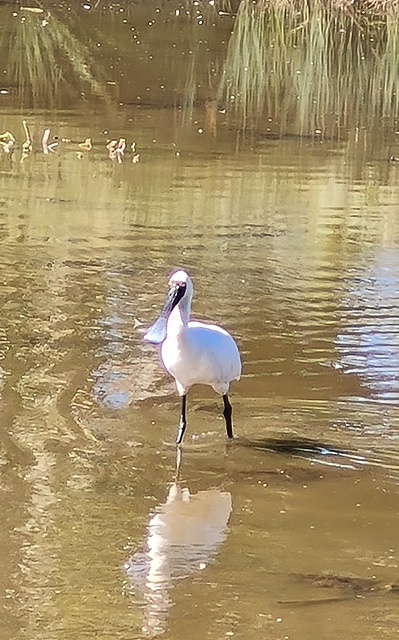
(312, 66)
(45, 59)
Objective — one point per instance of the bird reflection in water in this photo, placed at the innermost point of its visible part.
(183, 536)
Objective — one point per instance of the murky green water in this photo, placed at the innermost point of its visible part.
(293, 245)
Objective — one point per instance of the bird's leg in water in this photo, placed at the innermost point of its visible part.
(183, 421)
(227, 411)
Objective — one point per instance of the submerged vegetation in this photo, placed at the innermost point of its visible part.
(301, 65)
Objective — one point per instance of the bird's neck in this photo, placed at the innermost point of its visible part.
(178, 319)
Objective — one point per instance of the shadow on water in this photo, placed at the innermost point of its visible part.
(301, 447)
(326, 454)
(307, 449)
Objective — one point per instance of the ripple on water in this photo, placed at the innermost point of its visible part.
(368, 339)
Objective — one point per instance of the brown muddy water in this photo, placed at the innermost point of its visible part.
(291, 532)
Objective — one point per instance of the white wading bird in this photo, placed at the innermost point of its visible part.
(194, 352)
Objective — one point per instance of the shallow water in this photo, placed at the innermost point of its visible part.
(293, 245)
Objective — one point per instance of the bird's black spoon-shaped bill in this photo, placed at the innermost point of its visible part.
(157, 332)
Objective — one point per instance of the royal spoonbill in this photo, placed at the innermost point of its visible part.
(194, 352)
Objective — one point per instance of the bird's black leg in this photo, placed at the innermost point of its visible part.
(227, 411)
(183, 421)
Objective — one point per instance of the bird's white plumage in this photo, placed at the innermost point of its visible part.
(201, 354)
(196, 352)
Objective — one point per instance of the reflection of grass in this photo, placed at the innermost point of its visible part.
(46, 60)
(189, 92)
(313, 62)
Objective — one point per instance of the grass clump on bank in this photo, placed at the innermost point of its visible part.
(316, 64)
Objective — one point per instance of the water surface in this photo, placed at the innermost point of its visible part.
(293, 245)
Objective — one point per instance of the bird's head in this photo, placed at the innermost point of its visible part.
(181, 281)
(180, 288)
